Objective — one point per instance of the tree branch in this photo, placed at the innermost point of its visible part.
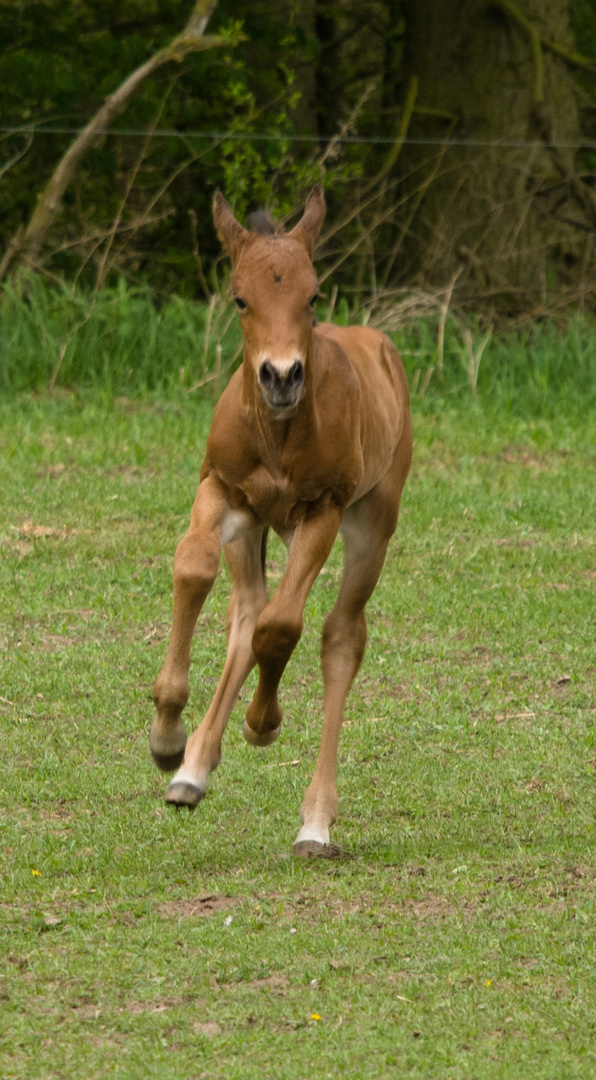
(26, 248)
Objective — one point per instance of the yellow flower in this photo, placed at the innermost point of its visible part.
(315, 1016)
(488, 982)
(36, 873)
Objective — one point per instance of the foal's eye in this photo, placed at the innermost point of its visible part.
(313, 300)
(240, 304)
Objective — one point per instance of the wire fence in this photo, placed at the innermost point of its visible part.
(267, 136)
(371, 234)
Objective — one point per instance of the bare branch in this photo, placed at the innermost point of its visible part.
(191, 40)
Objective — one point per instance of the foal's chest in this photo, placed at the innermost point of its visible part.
(276, 499)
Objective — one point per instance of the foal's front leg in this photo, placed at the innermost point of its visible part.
(195, 566)
(279, 626)
(249, 596)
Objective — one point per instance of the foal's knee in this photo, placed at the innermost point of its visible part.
(275, 638)
(195, 565)
(170, 695)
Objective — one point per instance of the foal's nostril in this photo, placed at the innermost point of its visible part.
(296, 376)
(266, 375)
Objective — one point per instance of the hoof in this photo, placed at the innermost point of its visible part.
(181, 793)
(168, 762)
(313, 849)
(265, 738)
(168, 754)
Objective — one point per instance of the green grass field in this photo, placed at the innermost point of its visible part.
(458, 940)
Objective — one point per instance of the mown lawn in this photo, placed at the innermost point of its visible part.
(458, 940)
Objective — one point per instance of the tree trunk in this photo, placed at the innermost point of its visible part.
(26, 245)
(514, 216)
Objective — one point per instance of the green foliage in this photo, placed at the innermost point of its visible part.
(262, 173)
(58, 64)
(291, 70)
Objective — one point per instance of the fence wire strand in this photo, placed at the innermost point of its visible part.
(266, 136)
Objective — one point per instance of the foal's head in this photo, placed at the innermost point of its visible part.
(275, 290)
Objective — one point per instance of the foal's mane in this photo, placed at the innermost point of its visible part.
(261, 222)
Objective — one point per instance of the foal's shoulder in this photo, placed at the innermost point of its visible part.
(231, 441)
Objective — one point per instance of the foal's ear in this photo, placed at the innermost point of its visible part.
(230, 231)
(309, 226)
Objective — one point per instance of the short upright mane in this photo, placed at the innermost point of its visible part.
(261, 222)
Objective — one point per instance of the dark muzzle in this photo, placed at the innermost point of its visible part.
(281, 391)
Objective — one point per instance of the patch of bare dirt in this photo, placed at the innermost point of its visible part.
(52, 470)
(527, 457)
(38, 532)
(432, 907)
(576, 874)
(200, 907)
(210, 1028)
(277, 984)
(130, 473)
(427, 906)
(87, 1011)
(155, 632)
(137, 1008)
(509, 541)
(20, 548)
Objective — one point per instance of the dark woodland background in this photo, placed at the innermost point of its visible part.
(456, 140)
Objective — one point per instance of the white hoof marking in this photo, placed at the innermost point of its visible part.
(194, 777)
(319, 833)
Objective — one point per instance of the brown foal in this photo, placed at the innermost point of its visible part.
(312, 436)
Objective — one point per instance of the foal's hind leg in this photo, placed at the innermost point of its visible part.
(249, 597)
(367, 527)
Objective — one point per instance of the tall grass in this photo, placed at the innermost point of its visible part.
(539, 371)
(117, 339)
(120, 341)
